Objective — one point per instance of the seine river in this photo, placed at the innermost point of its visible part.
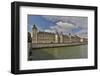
(70, 52)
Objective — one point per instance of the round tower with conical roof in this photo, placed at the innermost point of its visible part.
(56, 37)
(70, 37)
(34, 34)
(61, 37)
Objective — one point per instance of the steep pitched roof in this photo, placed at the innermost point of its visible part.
(34, 27)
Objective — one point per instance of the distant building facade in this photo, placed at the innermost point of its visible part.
(47, 37)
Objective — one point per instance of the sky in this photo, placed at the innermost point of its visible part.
(66, 24)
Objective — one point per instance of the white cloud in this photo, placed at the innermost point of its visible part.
(61, 27)
(65, 24)
(49, 30)
(75, 20)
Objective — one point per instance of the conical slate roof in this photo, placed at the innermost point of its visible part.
(34, 27)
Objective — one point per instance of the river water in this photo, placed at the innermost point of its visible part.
(70, 52)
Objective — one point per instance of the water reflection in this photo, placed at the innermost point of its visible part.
(70, 52)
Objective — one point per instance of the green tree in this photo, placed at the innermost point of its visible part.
(29, 37)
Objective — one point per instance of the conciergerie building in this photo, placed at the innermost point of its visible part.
(48, 37)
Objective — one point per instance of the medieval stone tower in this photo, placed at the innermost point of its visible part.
(70, 39)
(47, 37)
(56, 37)
(34, 34)
(61, 37)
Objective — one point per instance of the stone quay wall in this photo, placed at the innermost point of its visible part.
(51, 45)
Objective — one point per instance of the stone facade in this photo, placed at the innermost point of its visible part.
(47, 37)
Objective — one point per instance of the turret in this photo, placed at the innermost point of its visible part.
(34, 34)
(56, 37)
(61, 37)
(70, 39)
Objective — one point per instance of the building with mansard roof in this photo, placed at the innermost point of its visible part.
(48, 37)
